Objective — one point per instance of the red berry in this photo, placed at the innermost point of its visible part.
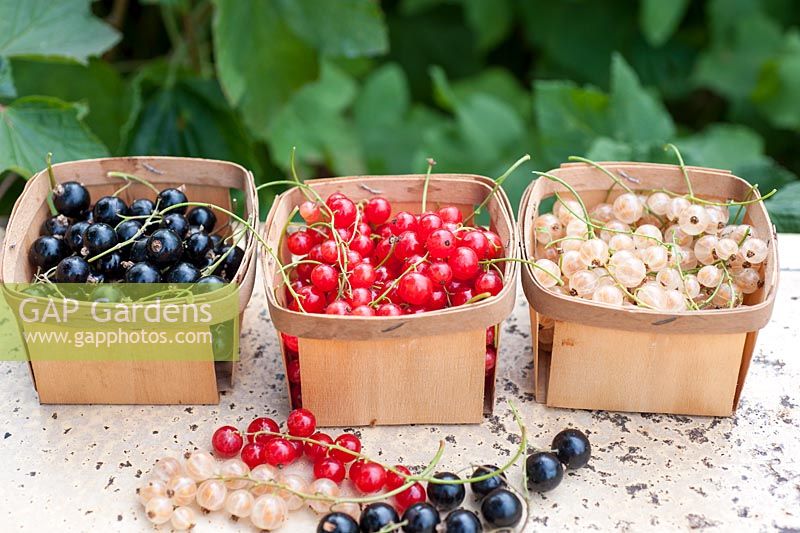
(385, 248)
(440, 273)
(301, 423)
(298, 448)
(491, 359)
(290, 341)
(296, 396)
(303, 272)
(280, 452)
(334, 196)
(350, 442)
(262, 424)
(377, 211)
(226, 441)
(489, 281)
(490, 336)
(363, 275)
(362, 244)
(311, 298)
(315, 254)
(369, 477)
(438, 300)
(253, 454)
(363, 310)
(464, 263)
(293, 371)
(310, 212)
(428, 223)
(359, 297)
(495, 244)
(355, 467)
(300, 242)
(476, 240)
(344, 212)
(461, 297)
(353, 259)
(408, 244)
(450, 213)
(415, 288)
(337, 307)
(413, 494)
(329, 251)
(440, 244)
(362, 228)
(395, 481)
(388, 310)
(317, 451)
(325, 277)
(404, 221)
(330, 468)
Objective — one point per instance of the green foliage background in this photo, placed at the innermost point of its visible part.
(361, 86)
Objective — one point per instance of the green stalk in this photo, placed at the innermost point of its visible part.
(431, 162)
(497, 184)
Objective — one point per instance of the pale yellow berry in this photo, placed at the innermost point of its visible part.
(693, 220)
(235, 468)
(158, 510)
(547, 273)
(754, 251)
(620, 242)
(628, 208)
(167, 468)
(239, 503)
(614, 227)
(155, 488)
(269, 512)
(709, 276)
(264, 478)
(323, 487)
(583, 283)
(547, 228)
(296, 484)
(201, 466)
(181, 490)
(658, 203)
(608, 294)
(594, 252)
(211, 495)
(183, 518)
(646, 236)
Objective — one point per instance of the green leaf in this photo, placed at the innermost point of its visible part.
(742, 39)
(259, 61)
(783, 208)
(722, 146)
(7, 89)
(499, 83)
(97, 84)
(313, 121)
(659, 19)
(413, 7)
(638, 116)
(491, 20)
(62, 28)
(384, 98)
(33, 126)
(775, 94)
(569, 118)
(606, 149)
(349, 28)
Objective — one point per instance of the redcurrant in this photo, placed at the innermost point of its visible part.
(330, 468)
(350, 442)
(369, 477)
(316, 451)
(377, 211)
(227, 441)
(253, 454)
(280, 452)
(262, 424)
(301, 423)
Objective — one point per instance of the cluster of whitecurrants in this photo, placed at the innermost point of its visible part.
(657, 251)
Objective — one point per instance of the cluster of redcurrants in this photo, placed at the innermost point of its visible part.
(144, 242)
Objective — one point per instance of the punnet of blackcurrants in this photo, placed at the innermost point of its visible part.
(251, 474)
(163, 239)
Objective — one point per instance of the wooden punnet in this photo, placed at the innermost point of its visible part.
(131, 382)
(426, 368)
(635, 359)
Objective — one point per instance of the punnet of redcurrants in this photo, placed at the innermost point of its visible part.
(249, 475)
(651, 249)
(160, 239)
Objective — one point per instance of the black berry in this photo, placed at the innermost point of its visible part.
(141, 208)
(202, 216)
(164, 247)
(463, 521)
(128, 229)
(544, 471)
(98, 238)
(446, 497)
(109, 265)
(572, 448)
(74, 235)
(46, 252)
(177, 223)
(482, 488)
(71, 199)
(109, 210)
(142, 273)
(421, 518)
(501, 508)
(230, 265)
(337, 523)
(377, 516)
(197, 247)
(138, 251)
(72, 269)
(182, 273)
(56, 226)
(169, 197)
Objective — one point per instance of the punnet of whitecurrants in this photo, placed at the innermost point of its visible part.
(257, 475)
(159, 238)
(650, 249)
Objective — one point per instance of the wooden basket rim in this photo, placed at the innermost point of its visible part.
(568, 309)
(432, 322)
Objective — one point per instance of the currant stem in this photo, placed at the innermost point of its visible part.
(123, 244)
(53, 184)
(586, 218)
(559, 281)
(132, 177)
(497, 184)
(602, 169)
(395, 281)
(684, 171)
(478, 298)
(431, 162)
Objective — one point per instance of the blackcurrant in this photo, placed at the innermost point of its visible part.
(217, 240)
(142, 273)
(72, 269)
(501, 508)
(169, 197)
(182, 273)
(141, 207)
(109, 265)
(230, 265)
(138, 251)
(377, 516)
(176, 222)
(86, 216)
(74, 235)
(164, 247)
(197, 247)
(337, 523)
(128, 229)
(56, 226)
(202, 216)
(482, 488)
(572, 448)
(71, 199)
(99, 237)
(544, 471)
(47, 251)
(446, 497)
(463, 521)
(110, 210)
(421, 518)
